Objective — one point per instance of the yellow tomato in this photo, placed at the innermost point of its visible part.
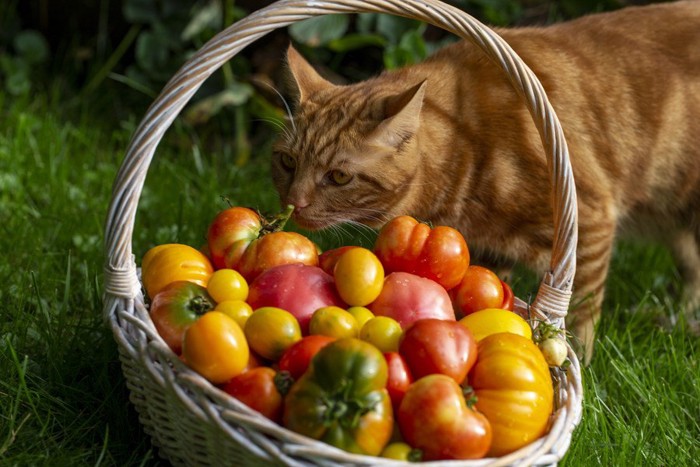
(361, 314)
(270, 331)
(333, 321)
(215, 347)
(383, 332)
(239, 310)
(401, 451)
(227, 284)
(172, 262)
(494, 320)
(359, 276)
(514, 390)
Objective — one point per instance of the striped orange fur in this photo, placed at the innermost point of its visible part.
(449, 141)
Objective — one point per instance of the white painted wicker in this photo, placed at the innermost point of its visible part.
(194, 423)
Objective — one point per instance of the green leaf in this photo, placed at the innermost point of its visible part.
(140, 11)
(31, 46)
(208, 16)
(206, 108)
(319, 31)
(151, 51)
(356, 41)
(394, 27)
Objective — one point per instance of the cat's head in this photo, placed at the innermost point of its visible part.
(350, 153)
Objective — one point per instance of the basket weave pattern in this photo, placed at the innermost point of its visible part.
(194, 423)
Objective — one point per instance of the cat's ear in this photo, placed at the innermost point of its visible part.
(401, 117)
(307, 80)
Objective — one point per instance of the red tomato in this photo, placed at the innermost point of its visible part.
(296, 288)
(273, 249)
(328, 258)
(434, 418)
(480, 289)
(256, 388)
(408, 298)
(296, 359)
(400, 378)
(437, 346)
(440, 253)
(508, 298)
(176, 307)
(230, 233)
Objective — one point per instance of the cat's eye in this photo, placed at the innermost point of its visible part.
(288, 161)
(339, 177)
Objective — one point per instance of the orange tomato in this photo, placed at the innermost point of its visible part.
(215, 347)
(173, 262)
(480, 289)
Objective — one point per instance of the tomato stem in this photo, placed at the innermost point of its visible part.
(278, 222)
(283, 382)
(469, 396)
(200, 305)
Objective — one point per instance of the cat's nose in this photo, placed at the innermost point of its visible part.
(298, 203)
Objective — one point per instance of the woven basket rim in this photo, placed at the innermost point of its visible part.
(145, 355)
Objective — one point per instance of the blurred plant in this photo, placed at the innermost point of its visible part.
(170, 32)
(22, 52)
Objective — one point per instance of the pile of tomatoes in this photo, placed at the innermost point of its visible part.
(405, 350)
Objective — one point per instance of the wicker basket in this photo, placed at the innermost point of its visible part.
(193, 422)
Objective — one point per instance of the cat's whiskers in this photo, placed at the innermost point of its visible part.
(284, 101)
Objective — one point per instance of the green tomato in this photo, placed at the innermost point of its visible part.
(342, 399)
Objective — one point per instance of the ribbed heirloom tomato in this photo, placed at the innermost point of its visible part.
(440, 253)
(514, 390)
(342, 399)
(171, 262)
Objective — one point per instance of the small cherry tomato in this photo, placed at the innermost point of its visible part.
(359, 276)
(480, 289)
(333, 321)
(328, 258)
(382, 332)
(402, 452)
(215, 347)
(400, 378)
(227, 284)
(270, 331)
(297, 357)
(258, 390)
(361, 314)
(239, 310)
(483, 323)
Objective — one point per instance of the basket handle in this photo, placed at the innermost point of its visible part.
(121, 279)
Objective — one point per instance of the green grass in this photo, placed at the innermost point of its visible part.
(63, 399)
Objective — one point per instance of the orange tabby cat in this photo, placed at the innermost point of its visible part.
(449, 141)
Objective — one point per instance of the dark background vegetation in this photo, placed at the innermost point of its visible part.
(76, 76)
(87, 52)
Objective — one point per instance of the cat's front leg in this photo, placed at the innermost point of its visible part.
(685, 246)
(593, 255)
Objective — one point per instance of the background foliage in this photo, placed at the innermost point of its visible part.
(76, 77)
